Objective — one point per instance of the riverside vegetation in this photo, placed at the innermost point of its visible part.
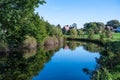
(21, 27)
(23, 30)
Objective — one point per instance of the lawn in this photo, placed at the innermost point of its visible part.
(116, 37)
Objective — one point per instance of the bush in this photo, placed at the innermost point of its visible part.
(51, 40)
(73, 33)
(3, 47)
(102, 35)
(29, 42)
(91, 34)
(29, 53)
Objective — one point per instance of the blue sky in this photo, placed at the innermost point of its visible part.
(79, 11)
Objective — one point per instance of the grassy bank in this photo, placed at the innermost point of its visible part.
(115, 37)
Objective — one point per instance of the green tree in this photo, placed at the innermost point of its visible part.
(113, 23)
(49, 29)
(58, 32)
(37, 28)
(102, 35)
(80, 33)
(73, 33)
(15, 17)
(108, 34)
(91, 34)
(95, 26)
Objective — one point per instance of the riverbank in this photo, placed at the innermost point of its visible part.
(31, 43)
(95, 39)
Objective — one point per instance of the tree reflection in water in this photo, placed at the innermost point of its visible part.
(108, 67)
(22, 65)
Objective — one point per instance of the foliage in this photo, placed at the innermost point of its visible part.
(15, 19)
(57, 32)
(73, 33)
(38, 28)
(109, 68)
(19, 65)
(29, 42)
(113, 23)
(80, 33)
(49, 29)
(95, 26)
(53, 30)
(91, 34)
(91, 47)
(102, 35)
(108, 34)
(3, 47)
(51, 40)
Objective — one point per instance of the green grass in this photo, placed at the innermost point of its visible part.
(116, 37)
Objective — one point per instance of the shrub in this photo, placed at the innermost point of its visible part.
(102, 35)
(3, 47)
(29, 53)
(29, 42)
(73, 33)
(91, 34)
(51, 40)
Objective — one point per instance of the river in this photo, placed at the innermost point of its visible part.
(68, 61)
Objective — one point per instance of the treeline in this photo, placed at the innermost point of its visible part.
(91, 28)
(18, 21)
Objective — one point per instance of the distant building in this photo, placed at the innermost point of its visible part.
(65, 29)
(109, 28)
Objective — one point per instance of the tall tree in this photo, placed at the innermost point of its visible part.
(15, 16)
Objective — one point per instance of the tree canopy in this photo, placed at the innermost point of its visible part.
(113, 23)
(16, 19)
(95, 26)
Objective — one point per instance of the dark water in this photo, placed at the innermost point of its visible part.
(68, 61)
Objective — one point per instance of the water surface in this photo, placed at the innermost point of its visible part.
(69, 64)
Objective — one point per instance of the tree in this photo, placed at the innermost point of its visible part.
(108, 34)
(49, 28)
(74, 25)
(37, 28)
(15, 19)
(113, 23)
(91, 34)
(57, 31)
(80, 33)
(59, 26)
(95, 26)
(73, 33)
(102, 35)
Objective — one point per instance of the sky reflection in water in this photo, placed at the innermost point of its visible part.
(68, 64)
